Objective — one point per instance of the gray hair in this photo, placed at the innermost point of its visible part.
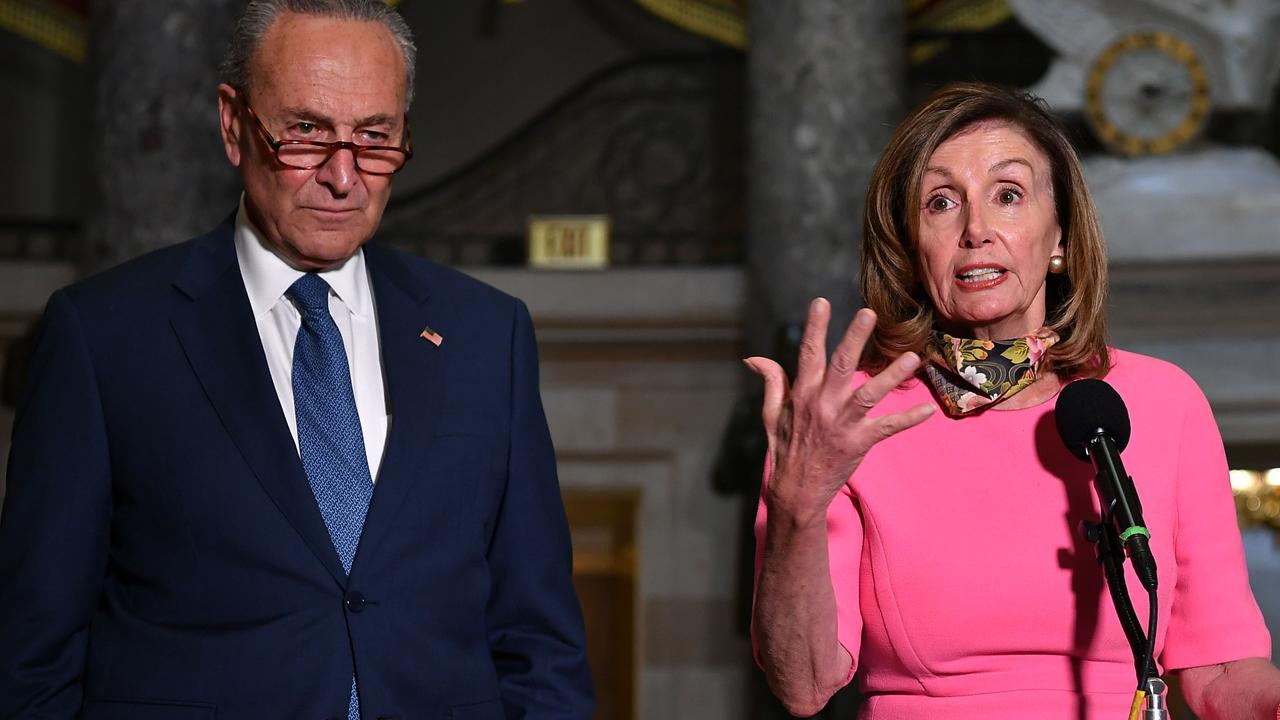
(260, 14)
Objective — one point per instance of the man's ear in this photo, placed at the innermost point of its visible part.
(229, 122)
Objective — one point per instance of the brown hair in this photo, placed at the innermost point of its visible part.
(891, 284)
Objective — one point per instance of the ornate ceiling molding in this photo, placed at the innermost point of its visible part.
(724, 21)
(52, 25)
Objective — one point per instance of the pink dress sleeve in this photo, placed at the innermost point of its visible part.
(1214, 617)
(844, 543)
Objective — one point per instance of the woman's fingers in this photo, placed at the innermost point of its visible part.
(891, 425)
(871, 392)
(775, 391)
(844, 361)
(822, 423)
(812, 361)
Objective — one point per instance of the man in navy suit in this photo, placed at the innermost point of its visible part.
(273, 472)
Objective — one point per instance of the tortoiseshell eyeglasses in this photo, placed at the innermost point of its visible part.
(309, 154)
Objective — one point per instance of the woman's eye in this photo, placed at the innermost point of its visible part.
(939, 203)
(1009, 196)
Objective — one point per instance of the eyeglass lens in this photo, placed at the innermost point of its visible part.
(368, 159)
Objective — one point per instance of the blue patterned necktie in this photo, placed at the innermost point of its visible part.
(329, 435)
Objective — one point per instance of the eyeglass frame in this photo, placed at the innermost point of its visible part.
(333, 147)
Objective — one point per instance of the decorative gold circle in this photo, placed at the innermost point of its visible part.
(1124, 140)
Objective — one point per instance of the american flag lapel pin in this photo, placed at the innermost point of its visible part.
(431, 336)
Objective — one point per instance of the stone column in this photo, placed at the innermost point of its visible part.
(826, 88)
(157, 172)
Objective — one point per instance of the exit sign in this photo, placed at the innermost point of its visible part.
(569, 241)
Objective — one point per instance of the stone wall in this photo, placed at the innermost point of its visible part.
(640, 370)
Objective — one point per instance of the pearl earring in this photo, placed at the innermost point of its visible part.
(1057, 265)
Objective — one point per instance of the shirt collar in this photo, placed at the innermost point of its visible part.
(267, 276)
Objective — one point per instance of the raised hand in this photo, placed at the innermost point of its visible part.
(819, 428)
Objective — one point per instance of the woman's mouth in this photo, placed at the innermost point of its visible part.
(978, 278)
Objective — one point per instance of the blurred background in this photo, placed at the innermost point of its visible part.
(667, 183)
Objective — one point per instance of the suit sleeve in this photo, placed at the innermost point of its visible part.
(534, 621)
(54, 528)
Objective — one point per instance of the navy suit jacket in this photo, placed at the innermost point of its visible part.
(161, 553)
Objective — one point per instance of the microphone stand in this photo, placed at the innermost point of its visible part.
(1110, 553)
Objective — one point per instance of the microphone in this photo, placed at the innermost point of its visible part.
(1094, 424)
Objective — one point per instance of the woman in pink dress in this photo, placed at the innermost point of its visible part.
(920, 521)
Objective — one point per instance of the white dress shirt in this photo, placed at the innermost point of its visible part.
(266, 278)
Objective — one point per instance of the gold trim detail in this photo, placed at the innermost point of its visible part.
(47, 25)
(956, 15)
(919, 53)
(1120, 139)
(718, 21)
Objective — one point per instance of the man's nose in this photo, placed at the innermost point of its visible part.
(339, 172)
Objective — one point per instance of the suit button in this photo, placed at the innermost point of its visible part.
(354, 601)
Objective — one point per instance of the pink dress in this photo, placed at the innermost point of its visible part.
(964, 588)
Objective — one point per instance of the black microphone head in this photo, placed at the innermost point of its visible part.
(1087, 407)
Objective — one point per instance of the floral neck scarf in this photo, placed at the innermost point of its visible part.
(969, 375)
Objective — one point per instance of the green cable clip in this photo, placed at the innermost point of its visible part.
(1135, 530)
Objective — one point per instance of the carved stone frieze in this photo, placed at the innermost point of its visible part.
(656, 145)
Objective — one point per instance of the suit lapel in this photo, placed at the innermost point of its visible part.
(416, 382)
(220, 339)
